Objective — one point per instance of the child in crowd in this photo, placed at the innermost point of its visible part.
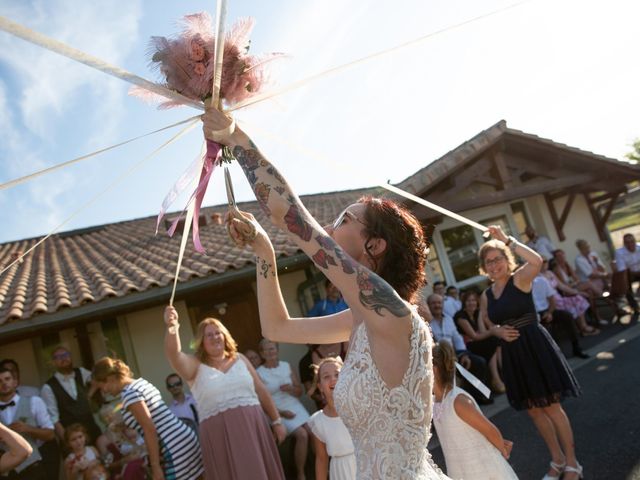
(82, 456)
(99, 472)
(473, 447)
(335, 457)
(124, 449)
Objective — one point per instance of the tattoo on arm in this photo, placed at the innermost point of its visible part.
(262, 191)
(297, 224)
(265, 268)
(323, 259)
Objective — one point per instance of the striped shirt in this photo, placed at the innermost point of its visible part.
(180, 455)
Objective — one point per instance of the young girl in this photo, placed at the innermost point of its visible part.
(81, 457)
(473, 447)
(330, 437)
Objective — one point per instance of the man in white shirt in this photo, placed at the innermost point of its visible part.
(27, 416)
(452, 303)
(444, 329)
(628, 258)
(590, 268)
(544, 300)
(183, 404)
(67, 394)
(539, 243)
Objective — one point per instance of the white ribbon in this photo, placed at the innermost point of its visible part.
(473, 380)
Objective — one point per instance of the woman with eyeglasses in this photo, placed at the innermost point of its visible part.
(374, 253)
(535, 372)
(236, 439)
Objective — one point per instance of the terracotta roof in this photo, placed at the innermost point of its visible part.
(94, 264)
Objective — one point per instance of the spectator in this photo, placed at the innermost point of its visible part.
(332, 303)
(254, 357)
(99, 472)
(473, 447)
(444, 329)
(479, 338)
(439, 288)
(23, 390)
(28, 417)
(17, 449)
(172, 446)
(183, 405)
(539, 243)
(590, 268)
(544, 299)
(451, 304)
(82, 456)
(67, 394)
(335, 453)
(628, 258)
(235, 436)
(285, 388)
(568, 298)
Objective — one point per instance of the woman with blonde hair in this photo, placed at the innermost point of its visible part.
(172, 446)
(237, 441)
(536, 374)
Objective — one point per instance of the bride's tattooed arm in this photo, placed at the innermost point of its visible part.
(286, 211)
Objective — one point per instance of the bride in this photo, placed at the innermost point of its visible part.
(374, 252)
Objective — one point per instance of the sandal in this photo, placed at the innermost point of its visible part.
(577, 469)
(559, 468)
(587, 332)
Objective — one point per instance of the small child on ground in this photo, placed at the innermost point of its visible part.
(82, 456)
(473, 447)
(335, 453)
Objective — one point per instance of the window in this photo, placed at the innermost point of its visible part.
(520, 217)
(501, 221)
(461, 248)
(113, 339)
(434, 269)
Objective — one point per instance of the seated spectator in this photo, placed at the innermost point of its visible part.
(16, 449)
(254, 357)
(335, 453)
(183, 405)
(439, 288)
(568, 298)
(82, 456)
(332, 303)
(539, 243)
(628, 258)
(590, 268)
(451, 304)
(479, 338)
(285, 388)
(544, 300)
(443, 328)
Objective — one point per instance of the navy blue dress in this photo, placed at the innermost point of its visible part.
(534, 370)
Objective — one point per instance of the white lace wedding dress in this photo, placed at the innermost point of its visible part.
(390, 428)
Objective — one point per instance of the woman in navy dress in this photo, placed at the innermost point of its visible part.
(535, 372)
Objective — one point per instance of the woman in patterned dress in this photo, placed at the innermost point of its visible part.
(172, 446)
(374, 253)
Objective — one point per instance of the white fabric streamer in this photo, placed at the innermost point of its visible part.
(473, 380)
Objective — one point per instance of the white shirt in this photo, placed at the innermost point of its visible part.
(451, 306)
(543, 246)
(184, 410)
(38, 411)
(628, 260)
(68, 383)
(541, 291)
(585, 266)
(446, 330)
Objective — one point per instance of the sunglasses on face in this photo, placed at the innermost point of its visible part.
(346, 213)
(62, 356)
(173, 385)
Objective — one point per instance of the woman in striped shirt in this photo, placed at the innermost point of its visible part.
(174, 452)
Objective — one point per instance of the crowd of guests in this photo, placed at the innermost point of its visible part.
(109, 424)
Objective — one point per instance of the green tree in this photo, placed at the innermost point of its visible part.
(634, 155)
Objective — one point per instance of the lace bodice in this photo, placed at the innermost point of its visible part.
(390, 428)
(216, 391)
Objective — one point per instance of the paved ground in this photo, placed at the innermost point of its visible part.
(606, 419)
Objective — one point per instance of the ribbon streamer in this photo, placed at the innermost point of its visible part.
(100, 194)
(45, 171)
(473, 380)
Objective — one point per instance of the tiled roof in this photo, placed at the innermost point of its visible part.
(91, 265)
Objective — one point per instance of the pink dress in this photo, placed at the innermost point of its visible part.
(575, 304)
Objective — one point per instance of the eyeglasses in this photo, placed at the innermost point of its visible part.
(346, 213)
(494, 261)
(62, 356)
(173, 385)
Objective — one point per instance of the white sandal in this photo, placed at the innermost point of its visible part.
(577, 469)
(559, 468)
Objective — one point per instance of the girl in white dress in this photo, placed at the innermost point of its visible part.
(335, 457)
(473, 447)
(82, 456)
(285, 389)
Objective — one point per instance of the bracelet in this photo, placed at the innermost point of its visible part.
(277, 421)
(512, 243)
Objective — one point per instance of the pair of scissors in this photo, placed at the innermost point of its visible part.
(231, 199)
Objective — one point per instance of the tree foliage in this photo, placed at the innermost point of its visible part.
(634, 155)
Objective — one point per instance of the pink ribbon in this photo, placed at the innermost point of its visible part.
(211, 159)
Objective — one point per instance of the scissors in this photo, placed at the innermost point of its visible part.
(231, 199)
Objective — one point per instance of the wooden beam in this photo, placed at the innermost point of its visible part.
(600, 221)
(523, 191)
(503, 171)
(559, 221)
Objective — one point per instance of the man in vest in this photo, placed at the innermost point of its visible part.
(27, 416)
(67, 394)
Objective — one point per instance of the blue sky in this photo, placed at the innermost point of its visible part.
(563, 70)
